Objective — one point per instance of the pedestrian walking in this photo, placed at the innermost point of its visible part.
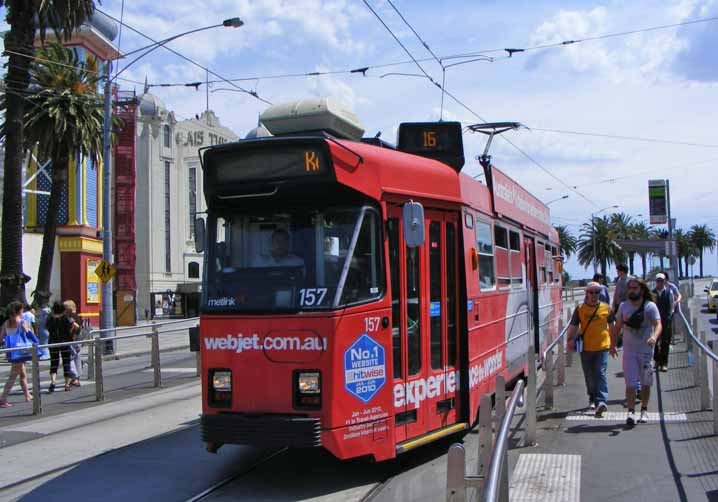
(15, 327)
(605, 296)
(61, 330)
(677, 297)
(590, 331)
(640, 321)
(619, 295)
(75, 348)
(665, 301)
(42, 334)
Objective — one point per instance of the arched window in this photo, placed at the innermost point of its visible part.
(167, 138)
(193, 270)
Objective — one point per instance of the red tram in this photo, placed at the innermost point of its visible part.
(360, 297)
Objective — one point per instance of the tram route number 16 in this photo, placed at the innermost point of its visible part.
(430, 139)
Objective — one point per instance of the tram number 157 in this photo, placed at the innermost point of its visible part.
(311, 296)
(372, 324)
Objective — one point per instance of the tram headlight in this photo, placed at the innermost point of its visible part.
(222, 381)
(309, 383)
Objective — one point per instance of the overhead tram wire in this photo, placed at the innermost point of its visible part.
(510, 51)
(627, 138)
(461, 103)
(211, 72)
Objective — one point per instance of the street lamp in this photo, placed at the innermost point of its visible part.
(556, 200)
(107, 317)
(593, 233)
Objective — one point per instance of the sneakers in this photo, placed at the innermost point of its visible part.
(664, 368)
(631, 418)
(51, 388)
(644, 417)
(591, 406)
(601, 410)
(5, 404)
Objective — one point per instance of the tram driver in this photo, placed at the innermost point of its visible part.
(280, 255)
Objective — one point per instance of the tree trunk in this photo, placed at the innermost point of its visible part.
(631, 257)
(661, 258)
(643, 264)
(603, 267)
(19, 39)
(44, 274)
(700, 257)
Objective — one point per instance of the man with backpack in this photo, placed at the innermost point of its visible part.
(589, 333)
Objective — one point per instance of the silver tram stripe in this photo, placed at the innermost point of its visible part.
(542, 477)
(620, 416)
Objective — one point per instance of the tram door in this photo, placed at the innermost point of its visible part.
(532, 289)
(424, 284)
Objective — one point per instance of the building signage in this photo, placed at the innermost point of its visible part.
(657, 202)
(92, 282)
(197, 138)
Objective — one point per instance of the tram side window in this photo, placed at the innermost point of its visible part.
(503, 272)
(435, 309)
(392, 231)
(451, 294)
(485, 245)
(365, 280)
(517, 276)
(556, 267)
(413, 310)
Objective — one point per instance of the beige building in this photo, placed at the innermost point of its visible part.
(168, 195)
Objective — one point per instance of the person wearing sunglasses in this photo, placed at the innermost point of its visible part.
(589, 333)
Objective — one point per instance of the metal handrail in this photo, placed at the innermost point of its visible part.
(125, 328)
(490, 490)
(89, 341)
(554, 342)
(696, 340)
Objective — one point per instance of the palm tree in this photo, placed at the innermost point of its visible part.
(24, 18)
(686, 249)
(65, 120)
(607, 250)
(620, 224)
(661, 235)
(567, 242)
(703, 238)
(641, 231)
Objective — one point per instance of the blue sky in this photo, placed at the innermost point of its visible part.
(657, 84)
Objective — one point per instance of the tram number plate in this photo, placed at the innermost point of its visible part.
(372, 324)
(312, 296)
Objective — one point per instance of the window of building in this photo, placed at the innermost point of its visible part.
(167, 136)
(168, 244)
(485, 246)
(192, 199)
(193, 270)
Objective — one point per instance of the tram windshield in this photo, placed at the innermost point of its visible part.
(296, 259)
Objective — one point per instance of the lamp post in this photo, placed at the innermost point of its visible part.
(107, 317)
(593, 233)
(556, 200)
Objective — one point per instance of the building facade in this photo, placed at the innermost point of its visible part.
(168, 196)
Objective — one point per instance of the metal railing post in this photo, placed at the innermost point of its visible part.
(569, 355)
(198, 363)
(689, 340)
(455, 473)
(696, 355)
(715, 398)
(485, 436)
(531, 398)
(36, 391)
(156, 357)
(99, 382)
(500, 414)
(561, 363)
(548, 381)
(90, 362)
(705, 390)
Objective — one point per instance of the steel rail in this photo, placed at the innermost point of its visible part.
(490, 491)
(696, 340)
(554, 342)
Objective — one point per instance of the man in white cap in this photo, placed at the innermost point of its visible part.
(665, 301)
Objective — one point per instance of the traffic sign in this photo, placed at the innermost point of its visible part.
(105, 271)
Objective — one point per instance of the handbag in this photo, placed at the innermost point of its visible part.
(635, 321)
(21, 340)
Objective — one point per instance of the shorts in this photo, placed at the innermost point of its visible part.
(637, 366)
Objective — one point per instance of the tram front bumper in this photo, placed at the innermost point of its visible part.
(261, 430)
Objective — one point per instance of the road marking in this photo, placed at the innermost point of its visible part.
(620, 416)
(540, 477)
(173, 370)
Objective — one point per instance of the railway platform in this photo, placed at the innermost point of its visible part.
(673, 457)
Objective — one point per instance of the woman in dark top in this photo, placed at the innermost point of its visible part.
(61, 329)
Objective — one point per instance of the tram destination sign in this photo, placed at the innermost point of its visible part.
(657, 202)
(232, 165)
(440, 141)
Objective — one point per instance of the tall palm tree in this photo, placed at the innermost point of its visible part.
(661, 235)
(25, 17)
(686, 249)
(703, 238)
(641, 231)
(567, 242)
(607, 250)
(620, 224)
(65, 120)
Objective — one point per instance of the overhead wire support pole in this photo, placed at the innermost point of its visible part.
(107, 318)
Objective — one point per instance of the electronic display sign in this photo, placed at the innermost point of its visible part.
(657, 202)
(440, 141)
